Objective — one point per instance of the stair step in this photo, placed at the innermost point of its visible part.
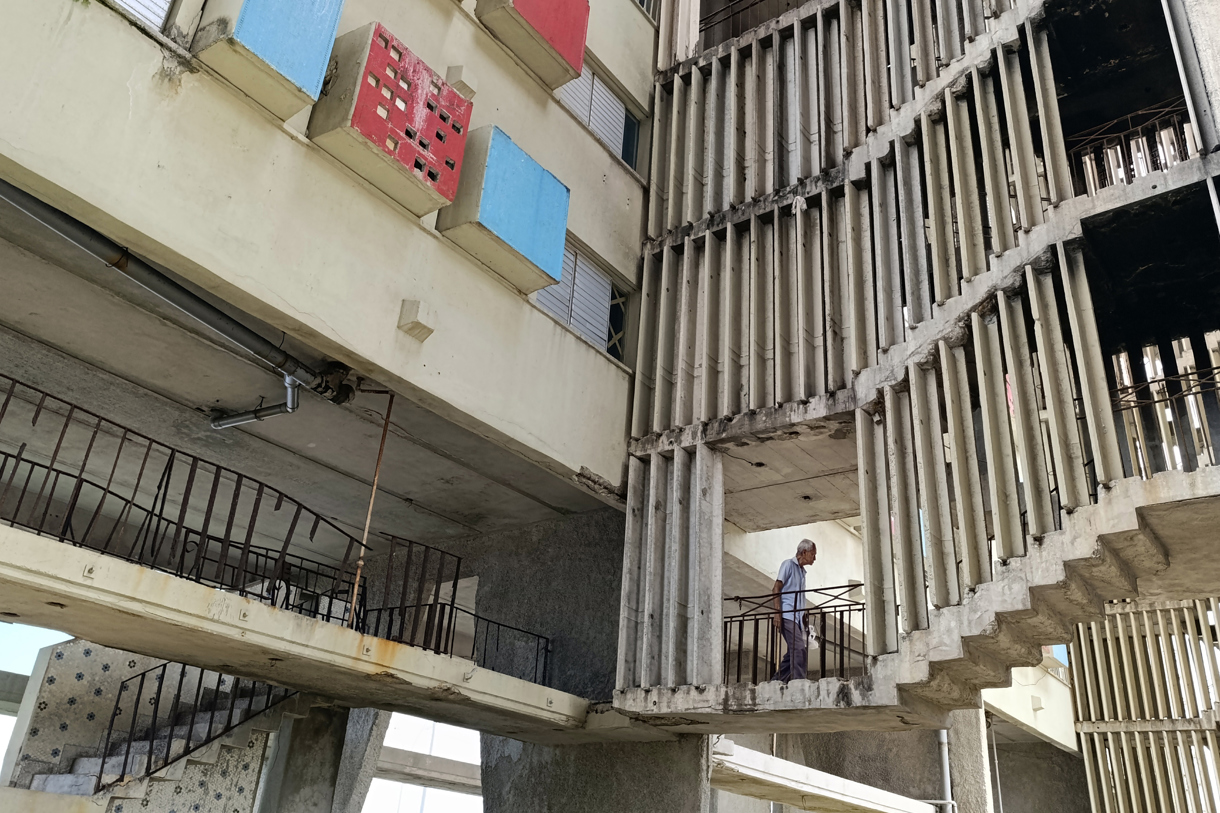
(70, 784)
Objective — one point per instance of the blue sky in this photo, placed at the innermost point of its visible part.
(19, 646)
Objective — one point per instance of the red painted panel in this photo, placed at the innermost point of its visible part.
(406, 109)
(562, 23)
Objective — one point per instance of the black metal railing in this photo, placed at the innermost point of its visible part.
(444, 627)
(1168, 422)
(1117, 152)
(754, 645)
(71, 475)
(169, 711)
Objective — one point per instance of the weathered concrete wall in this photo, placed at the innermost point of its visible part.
(1037, 777)
(559, 578)
(905, 762)
(524, 778)
(311, 767)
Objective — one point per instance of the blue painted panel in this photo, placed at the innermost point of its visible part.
(524, 205)
(294, 37)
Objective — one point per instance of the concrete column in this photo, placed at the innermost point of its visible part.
(618, 778)
(304, 764)
(366, 730)
(969, 766)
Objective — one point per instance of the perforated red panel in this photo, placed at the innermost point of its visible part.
(406, 109)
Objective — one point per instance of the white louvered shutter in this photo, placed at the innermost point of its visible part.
(607, 116)
(591, 303)
(577, 95)
(557, 299)
(152, 12)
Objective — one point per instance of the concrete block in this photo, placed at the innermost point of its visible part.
(416, 319)
(462, 80)
(393, 120)
(275, 51)
(509, 212)
(547, 35)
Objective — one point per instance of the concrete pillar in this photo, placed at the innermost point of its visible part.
(366, 730)
(304, 764)
(969, 766)
(616, 778)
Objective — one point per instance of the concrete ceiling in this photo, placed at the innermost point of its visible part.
(804, 474)
(83, 332)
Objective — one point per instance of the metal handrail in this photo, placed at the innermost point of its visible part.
(176, 706)
(525, 654)
(835, 596)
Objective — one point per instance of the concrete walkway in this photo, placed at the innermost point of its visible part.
(751, 773)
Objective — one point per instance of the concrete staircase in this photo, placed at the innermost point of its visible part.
(132, 781)
(1152, 539)
(1033, 600)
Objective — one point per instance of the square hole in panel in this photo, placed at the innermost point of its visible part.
(433, 175)
(425, 144)
(383, 41)
(410, 133)
(373, 80)
(385, 91)
(400, 103)
(449, 162)
(392, 143)
(390, 72)
(396, 54)
(444, 116)
(404, 84)
(457, 128)
(383, 111)
(419, 164)
(440, 136)
(431, 106)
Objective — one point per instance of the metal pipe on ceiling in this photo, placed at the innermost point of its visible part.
(295, 371)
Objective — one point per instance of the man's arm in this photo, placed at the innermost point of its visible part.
(775, 601)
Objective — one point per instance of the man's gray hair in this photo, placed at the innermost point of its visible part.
(806, 545)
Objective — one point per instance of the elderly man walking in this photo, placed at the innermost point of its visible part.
(788, 599)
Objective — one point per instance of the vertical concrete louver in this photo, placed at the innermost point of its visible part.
(848, 216)
(1145, 678)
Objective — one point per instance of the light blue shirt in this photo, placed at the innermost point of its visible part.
(792, 578)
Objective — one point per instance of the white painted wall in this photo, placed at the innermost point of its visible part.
(1034, 687)
(840, 552)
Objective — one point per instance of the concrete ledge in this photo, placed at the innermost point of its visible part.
(399, 765)
(759, 776)
(17, 800)
(115, 603)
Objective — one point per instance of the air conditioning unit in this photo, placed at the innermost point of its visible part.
(547, 35)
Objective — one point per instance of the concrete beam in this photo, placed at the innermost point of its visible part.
(760, 776)
(119, 604)
(398, 765)
(12, 689)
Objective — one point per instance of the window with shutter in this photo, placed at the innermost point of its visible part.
(152, 12)
(584, 300)
(598, 107)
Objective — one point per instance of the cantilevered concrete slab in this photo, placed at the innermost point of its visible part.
(761, 776)
(115, 603)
